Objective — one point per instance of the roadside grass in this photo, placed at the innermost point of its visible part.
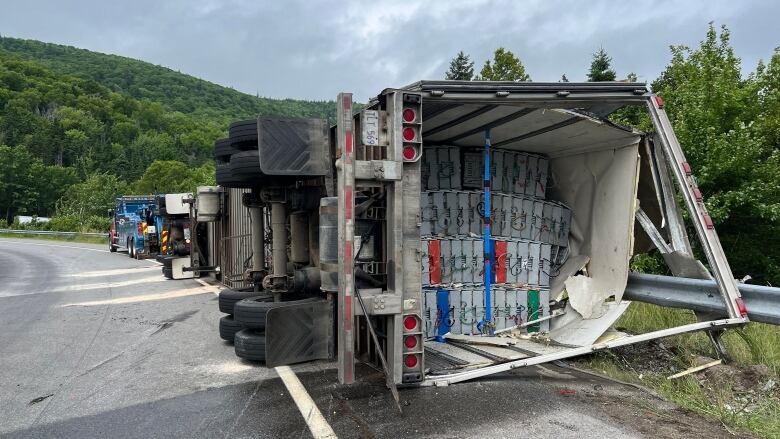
(84, 239)
(756, 343)
(737, 409)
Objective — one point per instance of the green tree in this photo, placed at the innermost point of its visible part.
(91, 197)
(163, 176)
(767, 123)
(505, 67)
(18, 188)
(461, 68)
(601, 67)
(719, 124)
(51, 184)
(170, 176)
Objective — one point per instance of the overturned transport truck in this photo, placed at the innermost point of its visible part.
(451, 230)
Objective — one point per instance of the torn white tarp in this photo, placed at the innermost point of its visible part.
(600, 187)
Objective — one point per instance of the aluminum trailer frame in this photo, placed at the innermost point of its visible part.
(402, 297)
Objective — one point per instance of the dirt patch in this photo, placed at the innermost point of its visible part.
(726, 393)
(756, 378)
(653, 357)
(658, 418)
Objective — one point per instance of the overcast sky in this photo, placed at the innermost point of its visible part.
(314, 49)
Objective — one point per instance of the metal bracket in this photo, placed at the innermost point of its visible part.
(382, 170)
(651, 231)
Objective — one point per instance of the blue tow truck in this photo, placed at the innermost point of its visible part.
(134, 226)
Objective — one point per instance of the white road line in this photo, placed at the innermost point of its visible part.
(206, 284)
(117, 284)
(318, 426)
(146, 297)
(54, 245)
(114, 272)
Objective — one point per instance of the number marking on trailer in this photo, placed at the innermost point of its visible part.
(370, 127)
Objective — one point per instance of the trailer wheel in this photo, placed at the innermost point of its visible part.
(243, 134)
(130, 248)
(251, 312)
(229, 298)
(225, 178)
(166, 261)
(250, 345)
(245, 165)
(223, 150)
(228, 328)
(167, 272)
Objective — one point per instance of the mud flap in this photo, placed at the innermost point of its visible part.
(299, 332)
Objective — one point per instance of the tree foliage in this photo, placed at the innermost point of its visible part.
(91, 197)
(174, 91)
(170, 176)
(727, 127)
(505, 67)
(601, 67)
(461, 68)
(27, 186)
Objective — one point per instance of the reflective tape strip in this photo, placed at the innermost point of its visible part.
(434, 261)
(348, 203)
(500, 267)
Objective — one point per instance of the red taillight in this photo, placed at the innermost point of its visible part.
(410, 361)
(409, 134)
(410, 322)
(686, 168)
(697, 194)
(708, 221)
(658, 101)
(410, 342)
(409, 152)
(409, 115)
(741, 306)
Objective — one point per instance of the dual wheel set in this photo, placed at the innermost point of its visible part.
(238, 163)
(244, 324)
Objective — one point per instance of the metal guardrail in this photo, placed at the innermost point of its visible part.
(763, 303)
(51, 233)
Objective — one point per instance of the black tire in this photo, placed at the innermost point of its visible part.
(243, 134)
(228, 328)
(229, 298)
(111, 246)
(223, 150)
(250, 345)
(130, 248)
(167, 272)
(251, 312)
(245, 165)
(225, 178)
(166, 261)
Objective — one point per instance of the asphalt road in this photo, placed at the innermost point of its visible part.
(94, 344)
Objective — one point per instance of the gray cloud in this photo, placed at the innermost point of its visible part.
(314, 49)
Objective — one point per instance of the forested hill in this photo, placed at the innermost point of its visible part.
(176, 91)
(57, 130)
